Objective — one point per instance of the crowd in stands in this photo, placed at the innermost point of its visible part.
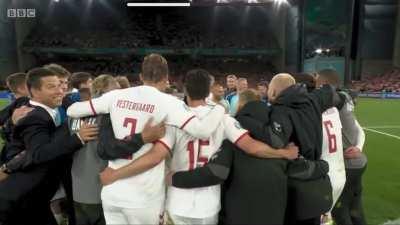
(218, 67)
(387, 82)
(141, 30)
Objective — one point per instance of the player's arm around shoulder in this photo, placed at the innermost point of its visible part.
(241, 138)
(216, 171)
(180, 115)
(160, 150)
(326, 97)
(93, 107)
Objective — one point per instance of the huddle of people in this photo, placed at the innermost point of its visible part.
(292, 153)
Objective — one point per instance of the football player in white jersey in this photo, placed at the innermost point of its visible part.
(332, 150)
(140, 199)
(348, 209)
(198, 205)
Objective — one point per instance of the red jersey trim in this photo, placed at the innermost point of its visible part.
(186, 122)
(241, 136)
(92, 108)
(164, 144)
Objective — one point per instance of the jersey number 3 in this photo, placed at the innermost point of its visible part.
(331, 136)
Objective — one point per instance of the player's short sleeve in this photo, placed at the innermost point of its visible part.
(169, 139)
(179, 114)
(93, 107)
(233, 131)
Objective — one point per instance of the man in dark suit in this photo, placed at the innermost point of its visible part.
(40, 146)
(17, 84)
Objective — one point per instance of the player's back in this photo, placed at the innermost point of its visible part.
(332, 150)
(130, 109)
(190, 153)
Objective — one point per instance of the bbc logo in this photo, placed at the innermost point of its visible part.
(21, 13)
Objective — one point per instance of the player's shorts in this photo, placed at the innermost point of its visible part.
(139, 216)
(338, 183)
(171, 219)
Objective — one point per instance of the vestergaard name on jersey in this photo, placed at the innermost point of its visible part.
(125, 104)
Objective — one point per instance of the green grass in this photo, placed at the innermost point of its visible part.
(3, 103)
(382, 178)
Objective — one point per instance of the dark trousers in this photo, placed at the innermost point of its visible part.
(89, 214)
(66, 181)
(29, 211)
(312, 221)
(348, 209)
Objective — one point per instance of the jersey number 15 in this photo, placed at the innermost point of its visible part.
(201, 160)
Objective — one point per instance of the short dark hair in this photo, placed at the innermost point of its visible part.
(231, 76)
(34, 77)
(331, 76)
(15, 80)
(154, 68)
(262, 83)
(305, 78)
(78, 78)
(197, 84)
(58, 70)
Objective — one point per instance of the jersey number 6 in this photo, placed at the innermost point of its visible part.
(331, 136)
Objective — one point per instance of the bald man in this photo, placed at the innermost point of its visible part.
(296, 116)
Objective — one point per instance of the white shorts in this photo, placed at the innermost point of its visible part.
(337, 188)
(115, 215)
(180, 220)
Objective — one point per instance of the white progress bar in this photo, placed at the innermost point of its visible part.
(134, 4)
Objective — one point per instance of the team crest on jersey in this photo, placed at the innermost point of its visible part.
(277, 127)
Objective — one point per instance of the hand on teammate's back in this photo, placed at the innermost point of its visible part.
(153, 133)
(290, 152)
(168, 178)
(352, 152)
(88, 132)
(107, 176)
(20, 113)
(3, 175)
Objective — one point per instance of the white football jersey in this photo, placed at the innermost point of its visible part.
(129, 110)
(190, 153)
(332, 150)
